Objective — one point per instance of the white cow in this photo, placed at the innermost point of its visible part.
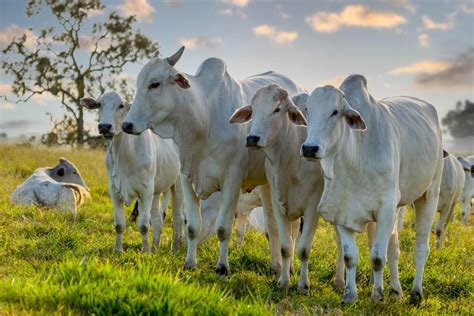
(139, 167)
(194, 112)
(450, 194)
(369, 152)
(468, 191)
(247, 216)
(60, 187)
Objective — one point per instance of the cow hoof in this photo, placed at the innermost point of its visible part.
(377, 295)
(118, 250)
(349, 297)
(416, 297)
(189, 266)
(303, 287)
(338, 285)
(396, 293)
(275, 271)
(222, 270)
(284, 284)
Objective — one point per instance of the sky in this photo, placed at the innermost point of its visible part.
(423, 49)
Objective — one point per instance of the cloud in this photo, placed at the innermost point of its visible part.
(424, 40)
(429, 24)
(277, 36)
(4, 88)
(466, 9)
(200, 42)
(7, 106)
(14, 31)
(458, 73)
(127, 77)
(140, 8)
(354, 15)
(335, 82)
(87, 43)
(426, 67)
(403, 4)
(237, 3)
(233, 12)
(18, 124)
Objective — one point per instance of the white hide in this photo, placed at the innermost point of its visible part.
(468, 190)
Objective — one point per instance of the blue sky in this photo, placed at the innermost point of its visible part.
(417, 48)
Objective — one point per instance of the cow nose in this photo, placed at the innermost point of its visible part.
(105, 128)
(127, 127)
(252, 141)
(309, 151)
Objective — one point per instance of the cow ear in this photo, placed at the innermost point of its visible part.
(60, 172)
(241, 115)
(445, 154)
(181, 81)
(354, 119)
(295, 115)
(90, 103)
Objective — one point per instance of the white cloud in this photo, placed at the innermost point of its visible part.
(279, 37)
(233, 12)
(335, 82)
(403, 4)
(466, 8)
(354, 15)
(87, 43)
(200, 41)
(4, 88)
(7, 106)
(140, 8)
(237, 3)
(15, 31)
(429, 24)
(424, 40)
(422, 67)
(127, 77)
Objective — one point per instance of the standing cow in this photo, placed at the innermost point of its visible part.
(450, 194)
(369, 152)
(468, 191)
(139, 167)
(194, 112)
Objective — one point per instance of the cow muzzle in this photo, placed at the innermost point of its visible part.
(310, 151)
(252, 141)
(105, 130)
(127, 127)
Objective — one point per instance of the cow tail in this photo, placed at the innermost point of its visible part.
(134, 215)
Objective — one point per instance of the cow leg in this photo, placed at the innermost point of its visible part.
(340, 266)
(304, 246)
(400, 216)
(425, 208)
(119, 220)
(193, 222)
(177, 205)
(144, 215)
(240, 225)
(209, 211)
(466, 210)
(165, 202)
(157, 221)
(225, 219)
(371, 228)
(441, 224)
(350, 254)
(393, 254)
(286, 243)
(295, 232)
(271, 228)
(378, 254)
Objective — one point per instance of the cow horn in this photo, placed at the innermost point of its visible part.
(172, 60)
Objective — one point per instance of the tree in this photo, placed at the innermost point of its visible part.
(55, 64)
(460, 121)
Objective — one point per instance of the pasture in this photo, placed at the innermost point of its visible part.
(57, 263)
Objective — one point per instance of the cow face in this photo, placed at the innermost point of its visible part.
(67, 172)
(112, 111)
(328, 111)
(159, 91)
(268, 111)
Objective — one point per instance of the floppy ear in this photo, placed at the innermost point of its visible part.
(300, 100)
(90, 103)
(181, 81)
(354, 119)
(241, 115)
(60, 172)
(294, 114)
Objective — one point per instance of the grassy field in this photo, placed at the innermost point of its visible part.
(57, 263)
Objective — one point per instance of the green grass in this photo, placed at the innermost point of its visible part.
(52, 262)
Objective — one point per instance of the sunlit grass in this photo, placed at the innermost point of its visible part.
(55, 262)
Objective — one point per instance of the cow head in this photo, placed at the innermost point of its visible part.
(67, 172)
(159, 90)
(112, 111)
(268, 111)
(328, 113)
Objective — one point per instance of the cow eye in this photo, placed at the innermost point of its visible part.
(74, 172)
(154, 85)
(334, 113)
(277, 110)
(121, 106)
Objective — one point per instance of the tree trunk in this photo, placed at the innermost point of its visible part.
(80, 127)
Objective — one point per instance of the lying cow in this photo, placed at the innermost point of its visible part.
(60, 187)
(369, 152)
(450, 194)
(193, 110)
(468, 190)
(139, 167)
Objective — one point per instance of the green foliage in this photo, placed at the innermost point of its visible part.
(79, 56)
(52, 262)
(460, 121)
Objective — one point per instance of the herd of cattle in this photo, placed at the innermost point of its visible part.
(336, 153)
